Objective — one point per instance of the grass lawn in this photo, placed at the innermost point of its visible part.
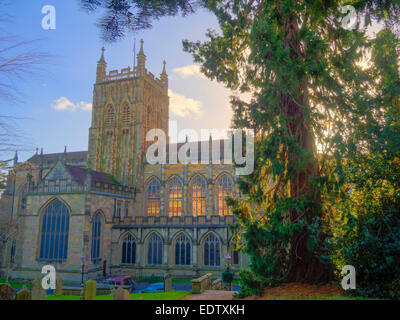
(173, 295)
(15, 285)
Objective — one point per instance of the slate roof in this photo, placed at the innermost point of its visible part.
(53, 157)
(81, 156)
(79, 174)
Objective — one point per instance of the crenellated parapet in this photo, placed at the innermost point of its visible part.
(186, 221)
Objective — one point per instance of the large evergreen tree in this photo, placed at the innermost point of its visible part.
(311, 88)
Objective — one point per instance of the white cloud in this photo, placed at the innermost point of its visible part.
(189, 71)
(86, 106)
(184, 107)
(64, 104)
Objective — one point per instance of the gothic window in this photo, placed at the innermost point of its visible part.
(110, 116)
(235, 257)
(126, 114)
(224, 189)
(154, 250)
(12, 253)
(126, 208)
(153, 198)
(54, 233)
(182, 250)
(96, 238)
(23, 197)
(212, 251)
(129, 250)
(199, 196)
(175, 197)
(118, 209)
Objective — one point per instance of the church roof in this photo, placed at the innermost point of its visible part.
(76, 156)
(81, 156)
(79, 174)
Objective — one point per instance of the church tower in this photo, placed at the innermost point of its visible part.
(126, 105)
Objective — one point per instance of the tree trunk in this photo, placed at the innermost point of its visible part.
(304, 264)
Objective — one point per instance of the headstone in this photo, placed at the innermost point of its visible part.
(37, 291)
(24, 294)
(122, 294)
(168, 283)
(59, 290)
(6, 292)
(89, 291)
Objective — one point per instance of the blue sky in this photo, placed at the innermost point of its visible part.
(196, 102)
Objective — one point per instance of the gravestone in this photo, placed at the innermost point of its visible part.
(59, 290)
(37, 291)
(89, 291)
(24, 294)
(167, 283)
(122, 294)
(6, 292)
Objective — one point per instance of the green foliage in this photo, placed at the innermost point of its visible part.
(308, 89)
(366, 229)
(227, 276)
(250, 283)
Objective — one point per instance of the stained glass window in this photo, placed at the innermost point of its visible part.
(96, 238)
(182, 250)
(175, 196)
(199, 196)
(129, 250)
(224, 189)
(153, 198)
(154, 250)
(54, 233)
(212, 251)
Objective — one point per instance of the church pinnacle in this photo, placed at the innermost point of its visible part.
(141, 60)
(101, 67)
(164, 75)
(102, 60)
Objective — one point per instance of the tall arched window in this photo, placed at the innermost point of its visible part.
(235, 258)
(153, 198)
(54, 233)
(110, 116)
(199, 196)
(175, 197)
(23, 197)
(129, 250)
(212, 251)
(126, 114)
(224, 189)
(96, 238)
(12, 253)
(154, 250)
(182, 250)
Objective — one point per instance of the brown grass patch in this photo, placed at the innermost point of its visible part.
(299, 291)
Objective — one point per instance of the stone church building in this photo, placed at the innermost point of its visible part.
(107, 210)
